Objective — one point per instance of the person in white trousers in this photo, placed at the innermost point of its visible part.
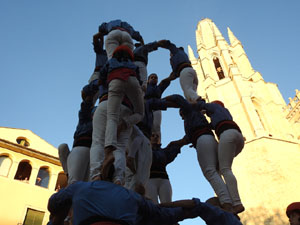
(183, 69)
(159, 186)
(119, 33)
(139, 161)
(120, 74)
(97, 153)
(76, 162)
(155, 90)
(141, 60)
(199, 133)
(231, 143)
(140, 154)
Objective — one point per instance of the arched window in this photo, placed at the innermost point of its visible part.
(42, 179)
(5, 164)
(62, 181)
(260, 113)
(218, 68)
(23, 141)
(24, 171)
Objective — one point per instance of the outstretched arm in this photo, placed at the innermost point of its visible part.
(173, 149)
(98, 42)
(168, 45)
(179, 101)
(159, 215)
(209, 213)
(166, 82)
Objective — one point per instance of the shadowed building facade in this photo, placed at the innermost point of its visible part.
(30, 172)
(268, 168)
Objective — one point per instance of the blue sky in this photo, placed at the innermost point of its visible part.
(46, 57)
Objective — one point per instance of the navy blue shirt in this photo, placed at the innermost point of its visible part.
(108, 200)
(147, 123)
(114, 64)
(213, 215)
(84, 129)
(194, 120)
(156, 91)
(216, 112)
(141, 52)
(161, 157)
(221, 118)
(178, 57)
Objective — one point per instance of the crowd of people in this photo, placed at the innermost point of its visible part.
(117, 168)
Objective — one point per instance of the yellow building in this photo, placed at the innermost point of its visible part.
(30, 172)
(268, 168)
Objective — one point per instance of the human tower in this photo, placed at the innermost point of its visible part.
(117, 168)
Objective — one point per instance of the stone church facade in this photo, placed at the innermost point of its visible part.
(268, 168)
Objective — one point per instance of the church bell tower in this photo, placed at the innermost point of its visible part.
(268, 168)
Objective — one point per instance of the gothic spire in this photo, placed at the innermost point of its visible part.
(191, 55)
(231, 36)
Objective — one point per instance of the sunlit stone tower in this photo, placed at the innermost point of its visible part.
(268, 168)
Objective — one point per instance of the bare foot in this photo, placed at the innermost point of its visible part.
(107, 162)
(118, 182)
(95, 178)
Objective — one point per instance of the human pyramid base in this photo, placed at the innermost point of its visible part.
(117, 168)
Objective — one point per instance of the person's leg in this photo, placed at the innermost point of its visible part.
(119, 153)
(188, 82)
(143, 74)
(98, 139)
(116, 89)
(134, 145)
(78, 162)
(157, 123)
(165, 191)
(228, 147)
(63, 153)
(144, 162)
(207, 148)
(134, 93)
(115, 95)
(152, 189)
(135, 142)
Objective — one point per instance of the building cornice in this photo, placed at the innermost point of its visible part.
(29, 152)
(271, 138)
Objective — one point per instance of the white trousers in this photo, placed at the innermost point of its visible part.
(157, 123)
(139, 147)
(63, 153)
(78, 164)
(97, 149)
(189, 83)
(116, 38)
(75, 163)
(207, 153)
(231, 143)
(116, 90)
(143, 72)
(159, 188)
